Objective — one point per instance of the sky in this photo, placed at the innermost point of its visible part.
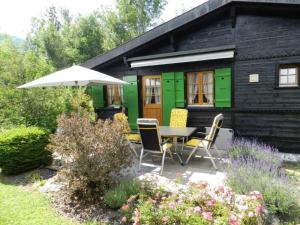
(15, 15)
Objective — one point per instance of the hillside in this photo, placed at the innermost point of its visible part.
(15, 39)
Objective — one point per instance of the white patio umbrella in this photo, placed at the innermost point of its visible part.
(73, 76)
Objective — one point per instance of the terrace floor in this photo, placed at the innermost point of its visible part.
(199, 169)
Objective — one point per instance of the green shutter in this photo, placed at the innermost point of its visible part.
(223, 87)
(97, 96)
(179, 89)
(131, 101)
(168, 93)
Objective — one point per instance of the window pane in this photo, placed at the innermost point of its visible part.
(152, 82)
(195, 78)
(157, 82)
(292, 79)
(147, 82)
(283, 79)
(195, 89)
(283, 71)
(195, 99)
(210, 78)
(292, 71)
(157, 91)
(157, 99)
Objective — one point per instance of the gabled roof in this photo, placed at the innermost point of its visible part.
(172, 25)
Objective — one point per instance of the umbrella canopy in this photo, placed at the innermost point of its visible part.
(73, 76)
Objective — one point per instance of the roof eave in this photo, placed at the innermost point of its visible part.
(171, 25)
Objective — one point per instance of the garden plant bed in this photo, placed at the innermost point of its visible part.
(85, 212)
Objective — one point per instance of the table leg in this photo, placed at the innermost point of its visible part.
(175, 148)
(182, 145)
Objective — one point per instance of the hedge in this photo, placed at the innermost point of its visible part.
(23, 149)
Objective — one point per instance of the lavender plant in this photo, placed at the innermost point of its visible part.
(256, 166)
(253, 149)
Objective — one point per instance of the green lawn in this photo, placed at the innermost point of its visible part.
(21, 207)
(293, 170)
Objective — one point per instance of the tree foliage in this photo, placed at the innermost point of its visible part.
(58, 40)
(130, 19)
(65, 40)
(29, 107)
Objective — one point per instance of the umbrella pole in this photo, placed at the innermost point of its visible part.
(78, 97)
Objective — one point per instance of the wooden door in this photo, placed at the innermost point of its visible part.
(152, 98)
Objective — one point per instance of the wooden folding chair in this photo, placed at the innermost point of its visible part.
(151, 140)
(208, 142)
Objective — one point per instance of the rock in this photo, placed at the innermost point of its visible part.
(271, 219)
(51, 186)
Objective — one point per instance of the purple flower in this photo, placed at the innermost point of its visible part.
(251, 214)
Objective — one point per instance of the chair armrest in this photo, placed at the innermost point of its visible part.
(196, 138)
(135, 132)
(202, 139)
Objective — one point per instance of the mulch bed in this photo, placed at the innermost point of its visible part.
(85, 212)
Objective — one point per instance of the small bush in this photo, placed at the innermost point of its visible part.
(22, 149)
(118, 196)
(194, 205)
(94, 154)
(256, 166)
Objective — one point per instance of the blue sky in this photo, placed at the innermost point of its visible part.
(15, 15)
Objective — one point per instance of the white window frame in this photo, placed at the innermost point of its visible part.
(286, 71)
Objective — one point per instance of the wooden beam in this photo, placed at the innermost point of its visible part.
(233, 16)
(173, 43)
(126, 62)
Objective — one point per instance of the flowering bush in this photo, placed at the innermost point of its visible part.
(255, 166)
(195, 205)
(94, 154)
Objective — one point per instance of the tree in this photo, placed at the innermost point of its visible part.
(58, 40)
(130, 19)
(65, 40)
(26, 107)
(85, 38)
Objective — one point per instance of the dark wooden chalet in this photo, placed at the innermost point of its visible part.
(239, 58)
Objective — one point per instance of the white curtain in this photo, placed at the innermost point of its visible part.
(157, 91)
(148, 91)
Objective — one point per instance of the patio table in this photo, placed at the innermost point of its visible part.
(185, 132)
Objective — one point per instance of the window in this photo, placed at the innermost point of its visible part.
(114, 94)
(288, 76)
(200, 89)
(152, 90)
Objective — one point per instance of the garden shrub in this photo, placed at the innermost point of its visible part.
(255, 166)
(194, 205)
(94, 153)
(22, 149)
(118, 196)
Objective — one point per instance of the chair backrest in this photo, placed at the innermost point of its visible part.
(122, 118)
(214, 130)
(178, 118)
(150, 137)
